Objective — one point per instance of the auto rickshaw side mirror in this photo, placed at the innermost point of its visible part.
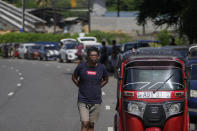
(188, 68)
(187, 71)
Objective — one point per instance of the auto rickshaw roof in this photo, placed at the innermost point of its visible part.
(153, 52)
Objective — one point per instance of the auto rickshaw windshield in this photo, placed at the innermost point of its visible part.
(152, 79)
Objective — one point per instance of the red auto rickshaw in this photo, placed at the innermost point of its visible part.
(152, 92)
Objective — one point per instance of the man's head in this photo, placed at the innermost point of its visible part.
(103, 43)
(113, 42)
(92, 55)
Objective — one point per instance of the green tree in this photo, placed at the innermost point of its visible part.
(160, 11)
(171, 12)
(125, 5)
(188, 24)
(43, 3)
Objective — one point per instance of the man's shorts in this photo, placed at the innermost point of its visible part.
(89, 112)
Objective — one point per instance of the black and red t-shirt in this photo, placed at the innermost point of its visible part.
(90, 79)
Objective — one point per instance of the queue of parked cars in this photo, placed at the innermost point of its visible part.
(65, 51)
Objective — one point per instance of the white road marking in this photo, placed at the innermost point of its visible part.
(11, 93)
(68, 69)
(11, 68)
(110, 129)
(19, 84)
(192, 126)
(107, 107)
(19, 74)
(103, 93)
(21, 78)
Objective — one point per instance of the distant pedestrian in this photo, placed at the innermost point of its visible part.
(103, 57)
(60, 45)
(90, 77)
(5, 50)
(115, 52)
(79, 52)
(172, 41)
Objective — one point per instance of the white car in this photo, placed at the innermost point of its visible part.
(68, 40)
(68, 52)
(22, 50)
(88, 41)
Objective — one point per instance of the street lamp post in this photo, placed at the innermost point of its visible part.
(23, 15)
(89, 15)
(118, 8)
(54, 16)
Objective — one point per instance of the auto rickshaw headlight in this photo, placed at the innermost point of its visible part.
(193, 93)
(175, 108)
(135, 108)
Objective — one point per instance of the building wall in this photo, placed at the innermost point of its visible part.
(4, 25)
(99, 7)
(123, 24)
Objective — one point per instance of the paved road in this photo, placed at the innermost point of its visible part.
(40, 96)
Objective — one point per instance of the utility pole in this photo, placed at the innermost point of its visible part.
(118, 8)
(143, 29)
(89, 16)
(23, 15)
(54, 16)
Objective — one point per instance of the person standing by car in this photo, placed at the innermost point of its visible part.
(115, 52)
(103, 58)
(5, 50)
(90, 77)
(79, 52)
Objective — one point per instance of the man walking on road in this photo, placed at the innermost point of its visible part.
(90, 77)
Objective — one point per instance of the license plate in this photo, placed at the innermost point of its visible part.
(150, 94)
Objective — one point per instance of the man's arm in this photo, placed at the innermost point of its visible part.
(75, 80)
(105, 81)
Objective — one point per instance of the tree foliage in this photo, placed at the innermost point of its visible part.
(49, 3)
(160, 11)
(189, 21)
(44, 3)
(171, 12)
(125, 5)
